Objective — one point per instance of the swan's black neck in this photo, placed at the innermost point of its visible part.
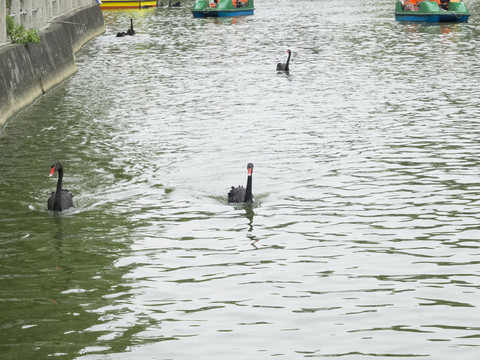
(288, 61)
(131, 24)
(248, 191)
(57, 204)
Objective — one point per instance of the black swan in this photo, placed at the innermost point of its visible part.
(240, 194)
(61, 199)
(286, 66)
(129, 31)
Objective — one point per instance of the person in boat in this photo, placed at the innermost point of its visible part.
(240, 3)
(444, 4)
(411, 5)
(213, 3)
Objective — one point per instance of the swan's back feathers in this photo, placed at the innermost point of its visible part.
(236, 195)
(66, 201)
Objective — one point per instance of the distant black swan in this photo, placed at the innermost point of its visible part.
(60, 199)
(129, 31)
(241, 195)
(286, 66)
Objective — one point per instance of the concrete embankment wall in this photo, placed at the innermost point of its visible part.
(27, 72)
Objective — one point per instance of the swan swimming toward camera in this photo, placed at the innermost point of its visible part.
(240, 194)
(285, 66)
(61, 199)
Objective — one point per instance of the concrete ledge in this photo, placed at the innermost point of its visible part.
(52, 58)
(19, 85)
(32, 70)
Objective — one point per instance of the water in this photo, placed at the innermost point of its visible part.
(363, 239)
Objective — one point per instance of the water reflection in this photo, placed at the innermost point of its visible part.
(249, 214)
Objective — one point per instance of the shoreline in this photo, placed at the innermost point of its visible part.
(29, 71)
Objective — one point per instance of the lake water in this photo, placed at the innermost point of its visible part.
(363, 241)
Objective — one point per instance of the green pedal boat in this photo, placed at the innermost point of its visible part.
(444, 11)
(222, 8)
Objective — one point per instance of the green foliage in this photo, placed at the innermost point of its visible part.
(19, 35)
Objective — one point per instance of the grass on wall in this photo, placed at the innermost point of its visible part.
(19, 35)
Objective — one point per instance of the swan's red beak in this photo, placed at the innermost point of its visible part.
(52, 171)
(249, 172)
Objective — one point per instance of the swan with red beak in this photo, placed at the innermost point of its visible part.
(240, 194)
(61, 199)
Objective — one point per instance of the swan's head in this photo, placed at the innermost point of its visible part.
(250, 169)
(288, 51)
(55, 167)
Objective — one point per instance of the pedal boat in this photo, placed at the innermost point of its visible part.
(222, 8)
(430, 12)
